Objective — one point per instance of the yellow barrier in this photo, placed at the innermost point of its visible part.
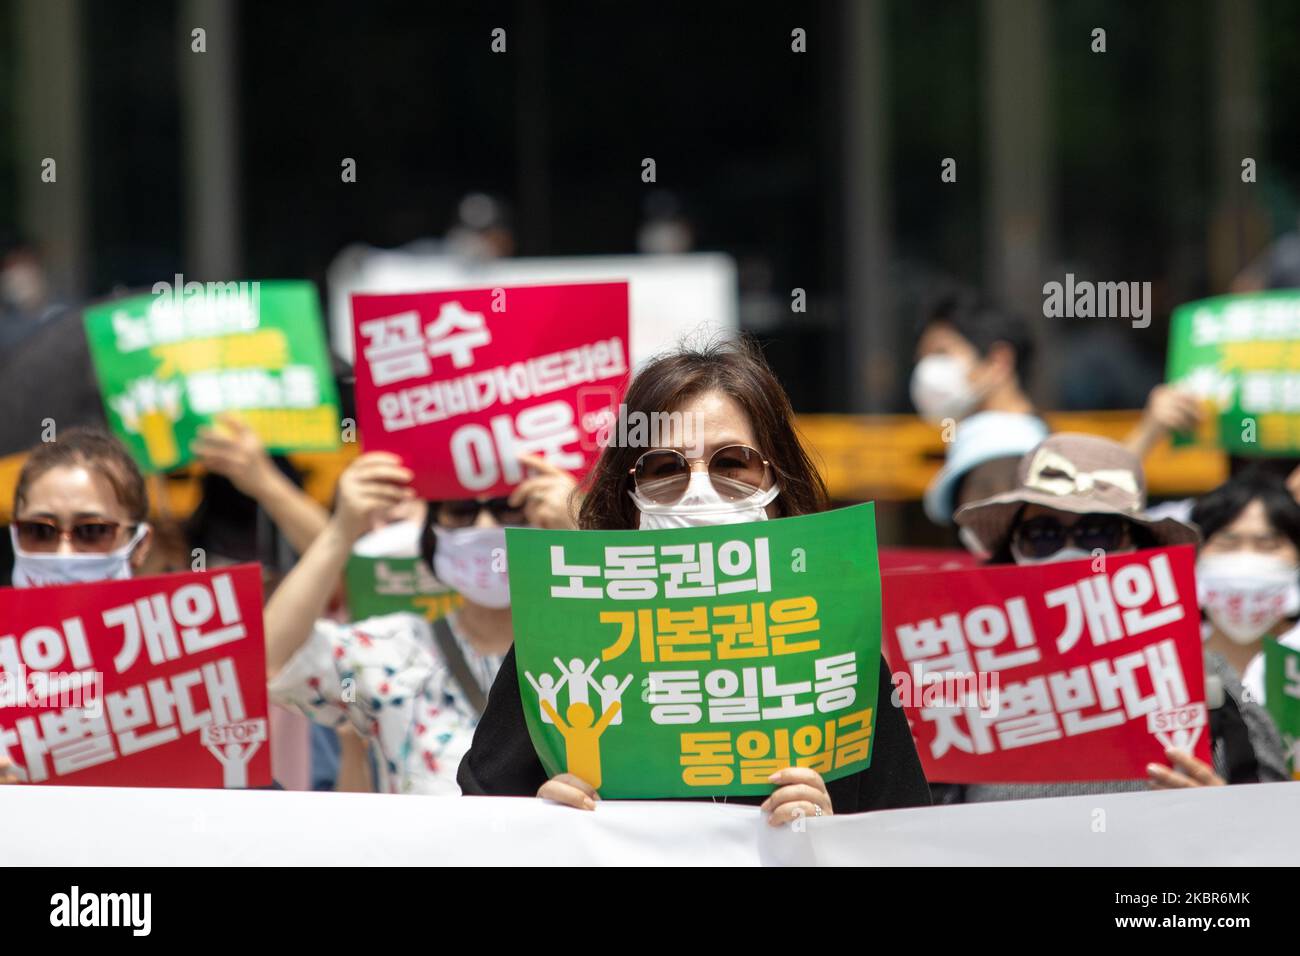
(863, 457)
(893, 457)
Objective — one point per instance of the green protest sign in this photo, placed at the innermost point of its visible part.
(1241, 355)
(1282, 697)
(699, 661)
(169, 362)
(377, 586)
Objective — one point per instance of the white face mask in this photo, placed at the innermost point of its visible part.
(32, 570)
(702, 506)
(401, 539)
(941, 388)
(1065, 554)
(464, 561)
(1245, 594)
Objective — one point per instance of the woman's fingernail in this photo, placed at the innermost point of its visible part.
(588, 803)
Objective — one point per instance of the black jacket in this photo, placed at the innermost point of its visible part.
(502, 762)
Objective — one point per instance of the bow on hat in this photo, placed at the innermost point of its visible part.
(1069, 480)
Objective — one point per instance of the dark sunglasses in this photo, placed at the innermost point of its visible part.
(1043, 536)
(464, 512)
(93, 534)
(735, 471)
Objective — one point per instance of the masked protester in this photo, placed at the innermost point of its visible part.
(79, 515)
(1080, 496)
(1246, 574)
(970, 362)
(970, 358)
(414, 691)
(745, 464)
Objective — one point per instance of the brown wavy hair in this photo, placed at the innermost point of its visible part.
(96, 451)
(736, 368)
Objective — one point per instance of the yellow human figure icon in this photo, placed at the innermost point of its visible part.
(581, 739)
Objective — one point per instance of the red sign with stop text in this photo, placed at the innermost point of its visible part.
(150, 682)
(1076, 671)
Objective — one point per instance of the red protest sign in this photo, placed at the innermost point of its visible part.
(1051, 673)
(150, 682)
(459, 384)
(925, 559)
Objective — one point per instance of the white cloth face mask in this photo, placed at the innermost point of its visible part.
(466, 559)
(941, 388)
(702, 506)
(401, 539)
(35, 570)
(1245, 594)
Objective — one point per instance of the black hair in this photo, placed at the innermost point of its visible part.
(1222, 506)
(983, 324)
(428, 539)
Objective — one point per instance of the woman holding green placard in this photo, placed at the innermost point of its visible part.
(412, 689)
(747, 464)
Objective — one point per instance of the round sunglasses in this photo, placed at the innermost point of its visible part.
(97, 535)
(735, 471)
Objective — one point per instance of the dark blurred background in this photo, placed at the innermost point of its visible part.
(817, 170)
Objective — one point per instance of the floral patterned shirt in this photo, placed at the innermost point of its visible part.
(387, 677)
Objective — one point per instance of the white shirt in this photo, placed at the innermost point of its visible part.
(386, 676)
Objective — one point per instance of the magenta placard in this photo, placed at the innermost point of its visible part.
(459, 384)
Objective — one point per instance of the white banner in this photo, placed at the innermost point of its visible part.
(88, 826)
(669, 297)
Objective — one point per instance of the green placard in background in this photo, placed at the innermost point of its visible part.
(1241, 355)
(170, 362)
(378, 586)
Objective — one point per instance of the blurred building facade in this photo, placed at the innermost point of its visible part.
(818, 169)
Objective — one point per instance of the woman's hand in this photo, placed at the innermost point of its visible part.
(1173, 409)
(371, 484)
(800, 792)
(1168, 409)
(1195, 773)
(547, 496)
(8, 772)
(569, 790)
(231, 448)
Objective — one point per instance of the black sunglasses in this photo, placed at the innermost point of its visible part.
(1045, 535)
(464, 512)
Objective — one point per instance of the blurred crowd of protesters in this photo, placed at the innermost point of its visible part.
(437, 708)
